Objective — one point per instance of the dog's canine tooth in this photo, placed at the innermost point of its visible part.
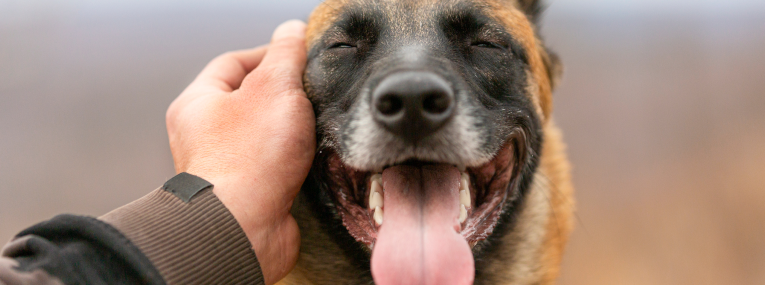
(378, 216)
(377, 177)
(465, 198)
(465, 182)
(463, 213)
(376, 187)
(375, 200)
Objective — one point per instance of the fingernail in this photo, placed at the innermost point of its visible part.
(291, 28)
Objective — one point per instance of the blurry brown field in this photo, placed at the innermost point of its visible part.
(663, 111)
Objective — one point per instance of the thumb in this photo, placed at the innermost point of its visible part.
(285, 59)
(287, 47)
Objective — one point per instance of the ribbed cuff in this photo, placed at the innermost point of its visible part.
(198, 242)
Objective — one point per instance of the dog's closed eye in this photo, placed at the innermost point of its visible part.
(487, 44)
(341, 45)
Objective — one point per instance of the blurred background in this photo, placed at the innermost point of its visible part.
(662, 104)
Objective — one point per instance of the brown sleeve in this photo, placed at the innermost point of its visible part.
(188, 234)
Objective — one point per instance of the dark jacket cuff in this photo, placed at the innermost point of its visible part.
(188, 234)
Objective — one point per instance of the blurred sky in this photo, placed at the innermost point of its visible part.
(662, 105)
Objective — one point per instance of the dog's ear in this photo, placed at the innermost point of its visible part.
(532, 8)
(554, 67)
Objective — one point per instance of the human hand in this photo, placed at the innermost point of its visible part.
(246, 125)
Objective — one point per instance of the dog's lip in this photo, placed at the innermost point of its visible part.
(489, 185)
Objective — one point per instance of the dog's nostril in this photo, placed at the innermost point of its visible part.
(390, 104)
(436, 103)
(413, 104)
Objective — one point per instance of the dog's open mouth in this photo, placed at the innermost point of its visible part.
(422, 214)
(478, 194)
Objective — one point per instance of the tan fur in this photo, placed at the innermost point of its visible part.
(322, 18)
(556, 167)
(532, 252)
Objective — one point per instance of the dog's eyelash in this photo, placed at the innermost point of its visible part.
(485, 44)
(342, 45)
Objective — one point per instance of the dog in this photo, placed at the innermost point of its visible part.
(438, 159)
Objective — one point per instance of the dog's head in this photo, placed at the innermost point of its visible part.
(429, 121)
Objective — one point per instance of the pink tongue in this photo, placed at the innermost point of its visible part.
(418, 242)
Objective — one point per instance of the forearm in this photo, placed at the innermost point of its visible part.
(178, 234)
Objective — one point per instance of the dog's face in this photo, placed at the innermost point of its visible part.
(429, 120)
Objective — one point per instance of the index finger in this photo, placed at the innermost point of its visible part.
(227, 71)
(223, 74)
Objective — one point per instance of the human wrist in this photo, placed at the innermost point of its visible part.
(272, 232)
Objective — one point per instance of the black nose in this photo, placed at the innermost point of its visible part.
(413, 104)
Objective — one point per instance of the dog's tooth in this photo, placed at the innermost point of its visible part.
(463, 213)
(376, 187)
(465, 182)
(465, 198)
(375, 200)
(377, 177)
(378, 216)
